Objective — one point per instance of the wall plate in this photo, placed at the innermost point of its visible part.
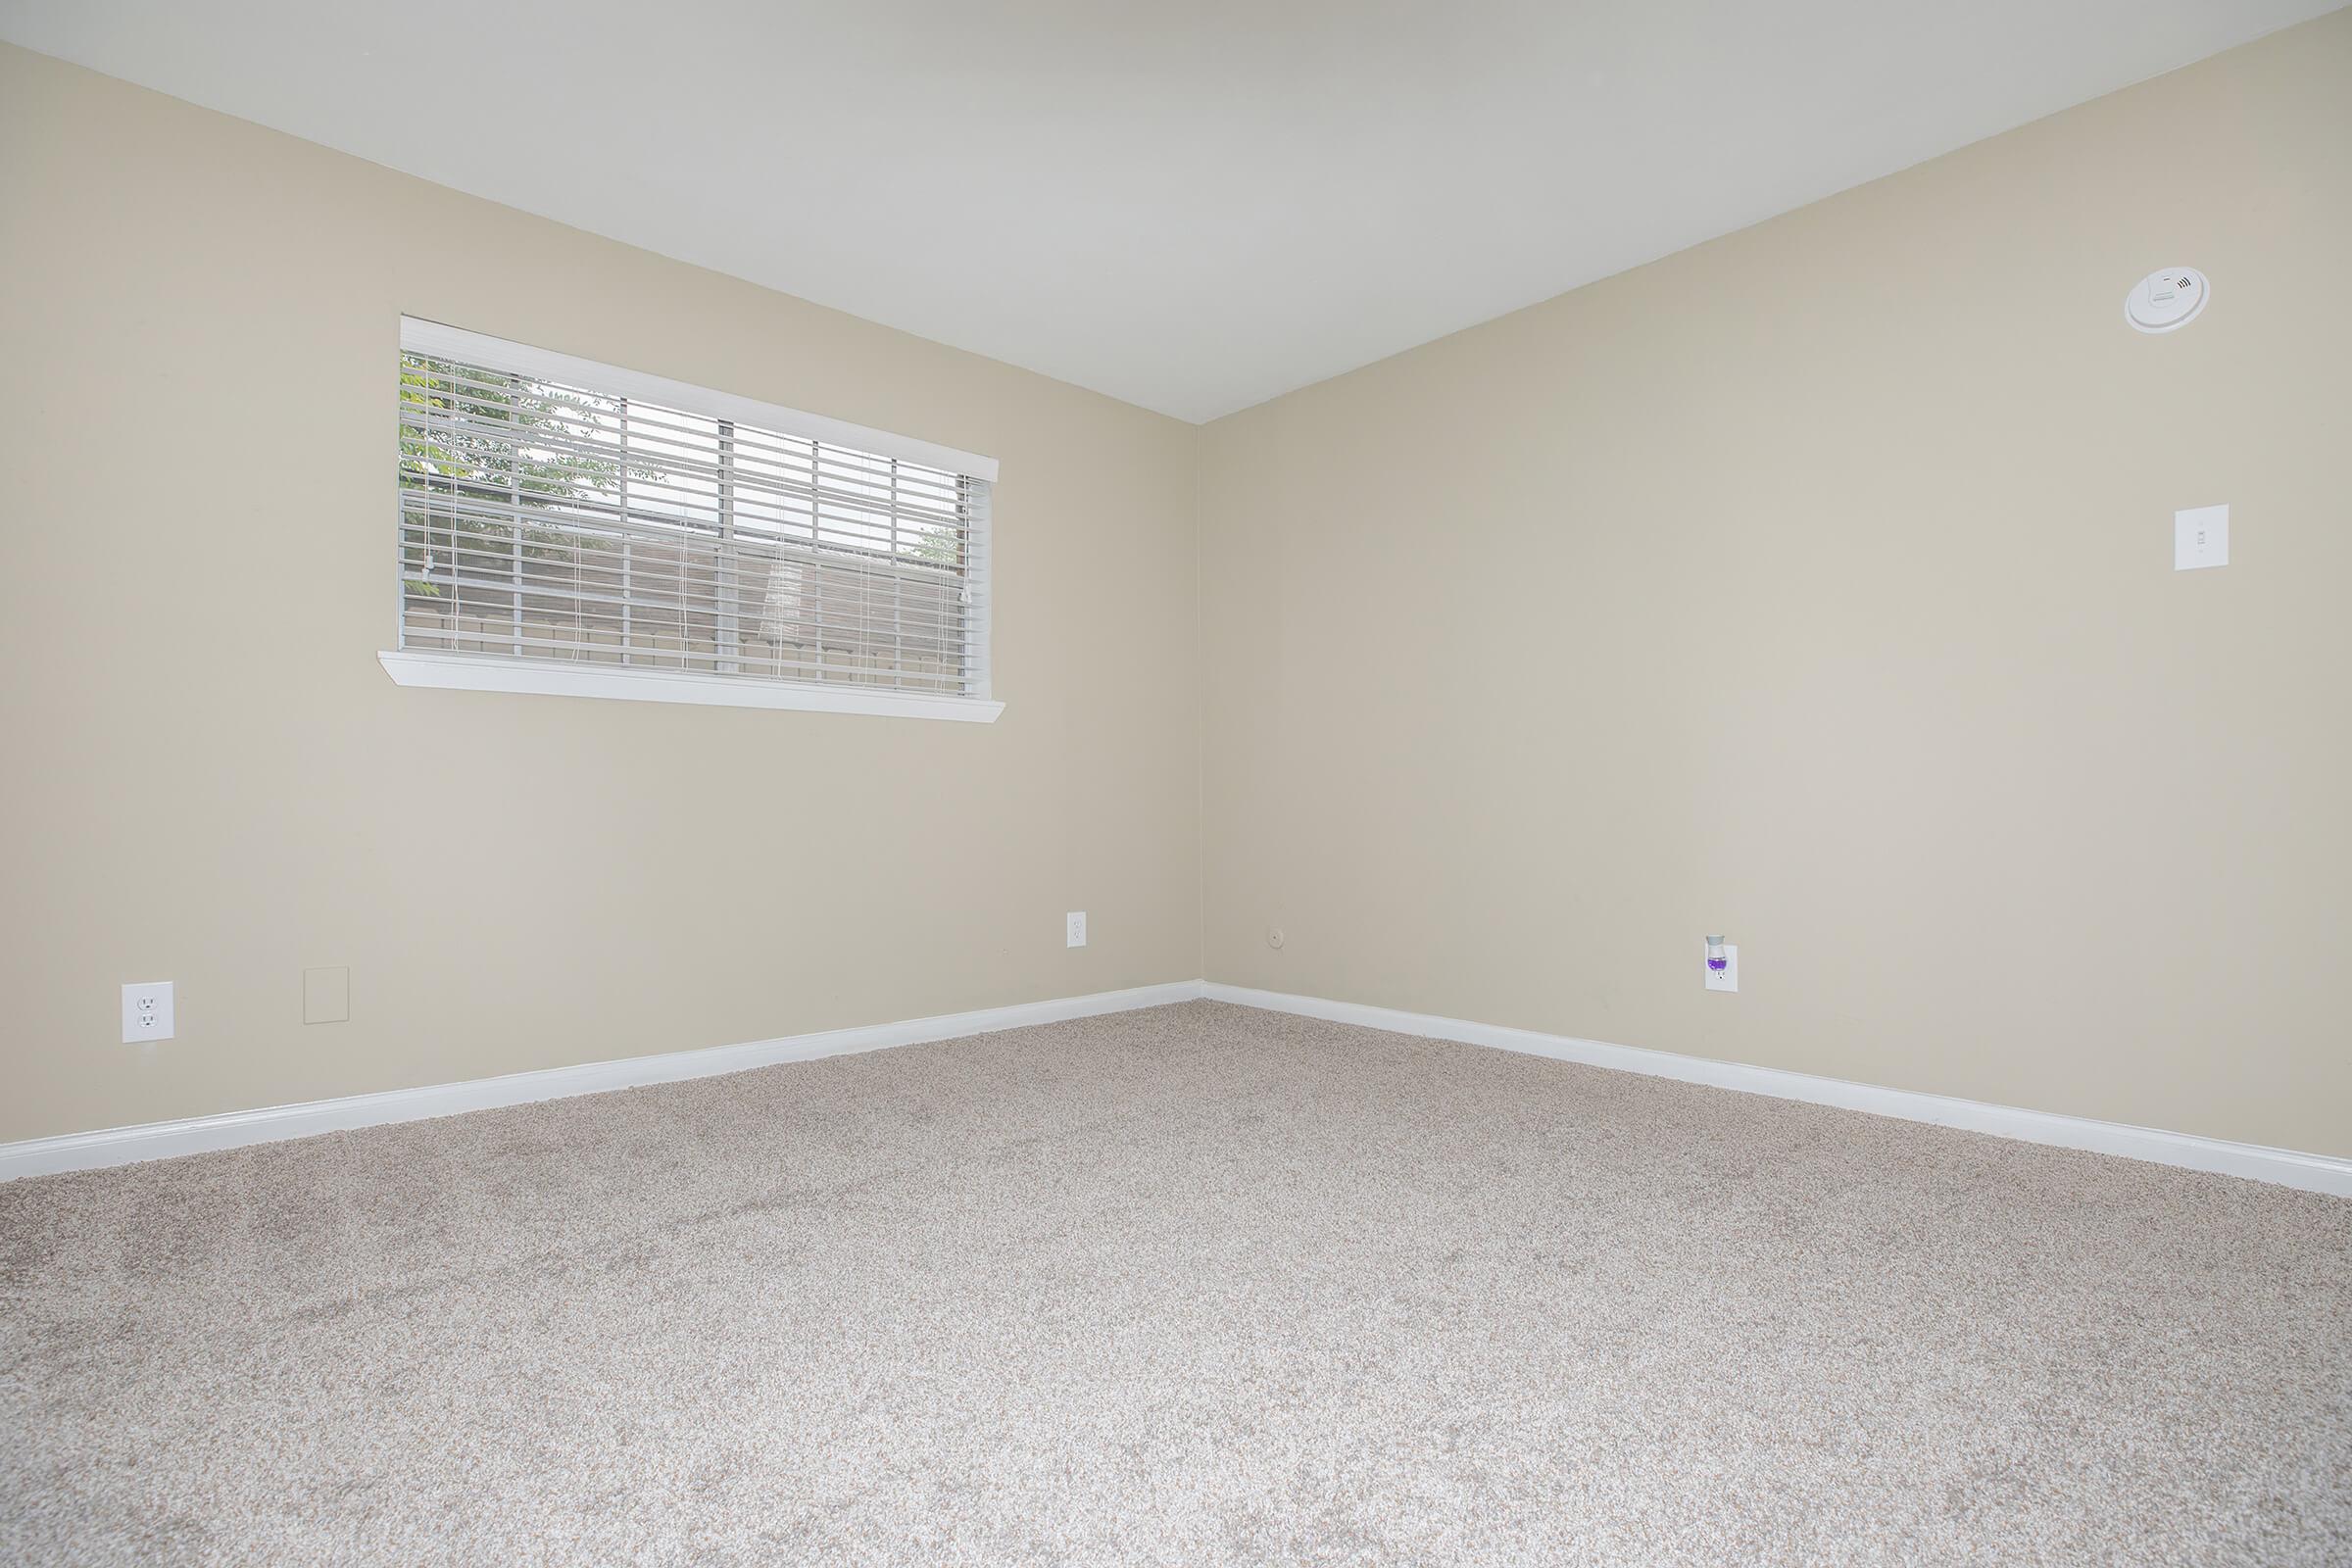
(147, 1011)
(2200, 538)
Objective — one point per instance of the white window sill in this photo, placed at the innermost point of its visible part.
(471, 672)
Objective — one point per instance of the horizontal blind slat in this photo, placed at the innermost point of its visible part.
(548, 520)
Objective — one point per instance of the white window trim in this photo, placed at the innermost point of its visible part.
(490, 672)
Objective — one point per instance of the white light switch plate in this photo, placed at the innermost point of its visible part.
(1076, 920)
(2200, 538)
(147, 1010)
(1729, 979)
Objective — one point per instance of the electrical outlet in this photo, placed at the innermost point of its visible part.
(147, 1010)
(1726, 978)
(1076, 922)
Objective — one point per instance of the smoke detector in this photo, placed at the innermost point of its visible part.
(2167, 301)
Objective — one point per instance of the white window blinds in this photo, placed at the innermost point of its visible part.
(554, 509)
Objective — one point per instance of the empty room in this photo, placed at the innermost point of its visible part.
(1091, 784)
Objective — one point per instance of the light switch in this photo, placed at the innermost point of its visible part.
(2200, 538)
(326, 995)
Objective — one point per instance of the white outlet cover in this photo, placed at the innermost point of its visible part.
(1729, 979)
(2200, 538)
(1076, 922)
(147, 1010)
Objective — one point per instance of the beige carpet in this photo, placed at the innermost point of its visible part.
(1199, 1284)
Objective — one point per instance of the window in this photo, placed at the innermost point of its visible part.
(570, 528)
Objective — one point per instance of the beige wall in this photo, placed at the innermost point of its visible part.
(199, 327)
(1815, 586)
(1812, 585)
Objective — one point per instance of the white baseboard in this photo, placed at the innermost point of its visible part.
(121, 1145)
(2317, 1173)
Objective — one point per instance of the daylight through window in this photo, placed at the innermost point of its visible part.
(567, 518)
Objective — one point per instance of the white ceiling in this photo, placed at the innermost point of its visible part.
(1194, 205)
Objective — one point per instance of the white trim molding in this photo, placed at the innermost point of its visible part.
(121, 1146)
(479, 672)
(164, 1140)
(2286, 1167)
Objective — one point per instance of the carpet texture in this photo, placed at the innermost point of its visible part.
(1196, 1285)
